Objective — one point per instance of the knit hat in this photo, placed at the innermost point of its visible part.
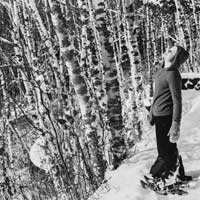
(182, 55)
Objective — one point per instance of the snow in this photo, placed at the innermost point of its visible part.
(190, 75)
(38, 154)
(123, 183)
(152, 1)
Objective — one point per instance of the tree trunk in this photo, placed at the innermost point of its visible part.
(67, 50)
(114, 111)
(148, 36)
(135, 64)
(179, 23)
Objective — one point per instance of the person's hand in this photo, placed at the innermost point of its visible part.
(174, 132)
(150, 118)
(147, 103)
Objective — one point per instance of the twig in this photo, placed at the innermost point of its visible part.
(6, 41)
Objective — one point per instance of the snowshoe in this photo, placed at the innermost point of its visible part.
(159, 186)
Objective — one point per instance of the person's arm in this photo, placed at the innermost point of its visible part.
(174, 81)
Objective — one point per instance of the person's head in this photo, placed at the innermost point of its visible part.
(175, 56)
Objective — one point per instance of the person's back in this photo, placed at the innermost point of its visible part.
(167, 93)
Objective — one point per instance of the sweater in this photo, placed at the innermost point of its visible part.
(167, 98)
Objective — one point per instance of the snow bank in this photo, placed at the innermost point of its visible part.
(123, 183)
(190, 75)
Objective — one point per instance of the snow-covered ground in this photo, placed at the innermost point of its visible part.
(123, 183)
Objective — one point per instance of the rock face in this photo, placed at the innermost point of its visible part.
(190, 81)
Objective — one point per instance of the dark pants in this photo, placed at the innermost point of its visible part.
(166, 150)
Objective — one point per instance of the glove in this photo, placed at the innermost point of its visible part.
(174, 132)
(150, 118)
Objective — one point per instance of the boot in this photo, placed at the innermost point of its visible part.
(181, 172)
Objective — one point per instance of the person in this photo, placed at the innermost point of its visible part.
(166, 111)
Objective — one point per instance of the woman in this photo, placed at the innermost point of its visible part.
(166, 111)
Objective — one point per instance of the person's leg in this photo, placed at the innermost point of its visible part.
(167, 150)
